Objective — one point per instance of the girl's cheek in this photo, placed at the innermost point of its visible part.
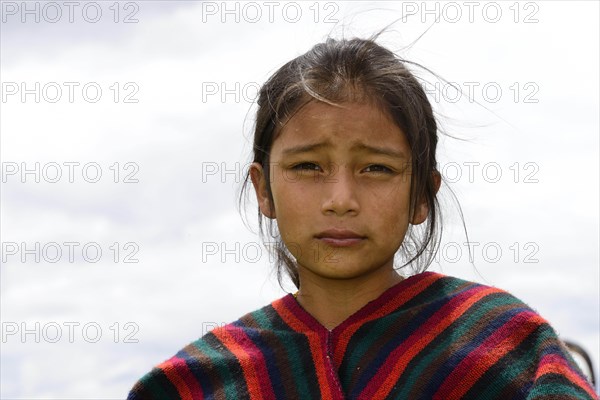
(301, 187)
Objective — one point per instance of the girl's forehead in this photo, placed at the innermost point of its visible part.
(320, 110)
(346, 121)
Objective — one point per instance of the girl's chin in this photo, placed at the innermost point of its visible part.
(340, 270)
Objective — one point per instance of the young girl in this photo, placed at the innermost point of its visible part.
(345, 172)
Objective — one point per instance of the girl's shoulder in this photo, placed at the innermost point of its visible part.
(214, 360)
(440, 294)
(456, 303)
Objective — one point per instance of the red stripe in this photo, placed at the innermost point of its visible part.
(171, 368)
(189, 378)
(290, 314)
(330, 388)
(346, 331)
(555, 364)
(400, 357)
(496, 346)
(258, 359)
(250, 374)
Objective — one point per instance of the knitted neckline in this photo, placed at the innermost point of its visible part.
(307, 323)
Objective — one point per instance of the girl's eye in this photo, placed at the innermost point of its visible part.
(306, 166)
(377, 168)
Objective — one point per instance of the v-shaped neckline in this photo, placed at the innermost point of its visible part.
(368, 309)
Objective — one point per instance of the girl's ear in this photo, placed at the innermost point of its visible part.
(422, 209)
(259, 181)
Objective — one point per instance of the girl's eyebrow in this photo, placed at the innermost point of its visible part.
(356, 147)
(386, 151)
(304, 148)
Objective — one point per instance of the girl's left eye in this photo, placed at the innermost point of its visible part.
(306, 166)
(377, 168)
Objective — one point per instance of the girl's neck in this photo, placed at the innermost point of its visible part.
(332, 301)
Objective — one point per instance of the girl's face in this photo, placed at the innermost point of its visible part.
(340, 180)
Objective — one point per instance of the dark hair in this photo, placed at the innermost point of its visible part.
(354, 70)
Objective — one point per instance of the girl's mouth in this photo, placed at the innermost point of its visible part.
(340, 237)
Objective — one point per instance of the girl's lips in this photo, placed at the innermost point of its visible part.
(340, 237)
(341, 242)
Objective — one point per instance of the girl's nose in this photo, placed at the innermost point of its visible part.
(340, 196)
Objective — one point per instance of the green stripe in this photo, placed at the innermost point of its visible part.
(263, 321)
(291, 349)
(548, 389)
(515, 367)
(382, 326)
(225, 376)
(460, 329)
(154, 383)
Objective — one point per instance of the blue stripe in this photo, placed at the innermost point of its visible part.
(270, 361)
(404, 330)
(459, 355)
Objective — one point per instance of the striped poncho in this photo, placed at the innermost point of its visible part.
(430, 336)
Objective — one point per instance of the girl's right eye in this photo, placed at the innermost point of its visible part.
(306, 166)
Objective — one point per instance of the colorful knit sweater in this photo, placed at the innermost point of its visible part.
(428, 337)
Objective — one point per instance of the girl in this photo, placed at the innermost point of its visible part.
(345, 172)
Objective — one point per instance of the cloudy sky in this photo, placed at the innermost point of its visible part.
(126, 129)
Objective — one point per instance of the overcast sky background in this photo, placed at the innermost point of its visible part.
(186, 143)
